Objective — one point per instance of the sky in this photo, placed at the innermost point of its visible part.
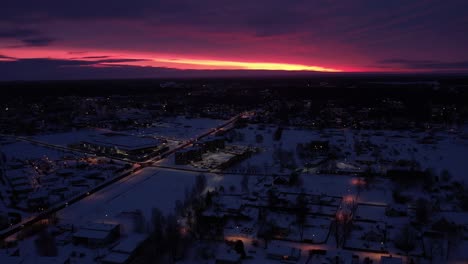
(56, 39)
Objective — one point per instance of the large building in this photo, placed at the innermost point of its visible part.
(97, 234)
(185, 156)
(211, 144)
(118, 144)
(194, 153)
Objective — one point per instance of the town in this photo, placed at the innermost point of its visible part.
(300, 170)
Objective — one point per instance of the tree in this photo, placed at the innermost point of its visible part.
(45, 244)
(188, 197)
(294, 179)
(139, 223)
(463, 202)
(208, 199)
(173, 237)
(398, 197)
(429, 177)
(259, 138)
(245, 183)
(277, 134)
(179, 207)
(266, 231)
(272, 198)
(405, 239)
(158, 222)
(423, 210)
(221, 189)
(369, 176)
(239, 248)
(445, 176)
(342, 226)
(452, 230)
(200, 184)
(302, 210)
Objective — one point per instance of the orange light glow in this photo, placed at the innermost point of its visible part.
(174, 61)
(215, 64)
(358, 181)
(348, 199)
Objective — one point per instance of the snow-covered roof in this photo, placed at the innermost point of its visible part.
(227, 256)
(391, 260)
(122, 141)
(100, 226)
(278, 250)
(116, 258)
(129, 244)
(91, 234)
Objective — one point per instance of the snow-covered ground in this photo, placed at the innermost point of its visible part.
(444, 151)
(67, 138)
(149, 188)
(28, 151)
(160, 188)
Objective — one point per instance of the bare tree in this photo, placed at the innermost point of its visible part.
(200, 184)
(139, 222)
(157, 224)
(45, 244)
(245, 183)
(302, 210)
(423, 210)
(406, 239)
(173, 237)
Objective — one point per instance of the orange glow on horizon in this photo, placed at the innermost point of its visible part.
(222, 64)
(160, 60)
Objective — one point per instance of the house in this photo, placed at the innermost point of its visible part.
(124, 145)
(65, 173)
(229, 203)
(211, 144)
(319, 145)
(4, 220)
(278, 252)
(395, 210)
(125, 251)
(228, 257)
(391, 260)
(116, 258)
(280, 180)
(77, 181)
(59, 189)
(435, 245)
(22, 190)
(185, 156)
(97, 234)
(49, 179)
(406, 175)
(38, 200)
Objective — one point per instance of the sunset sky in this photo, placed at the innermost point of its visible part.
(56, 39)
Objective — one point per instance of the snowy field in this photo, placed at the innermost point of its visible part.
(67, 138)
(148, 189)
(28, 151)
(443, 151)
(162, 187)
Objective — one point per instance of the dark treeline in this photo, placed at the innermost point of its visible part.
(338, 86)
(387, 97)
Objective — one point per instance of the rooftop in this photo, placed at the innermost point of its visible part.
(122, 141)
